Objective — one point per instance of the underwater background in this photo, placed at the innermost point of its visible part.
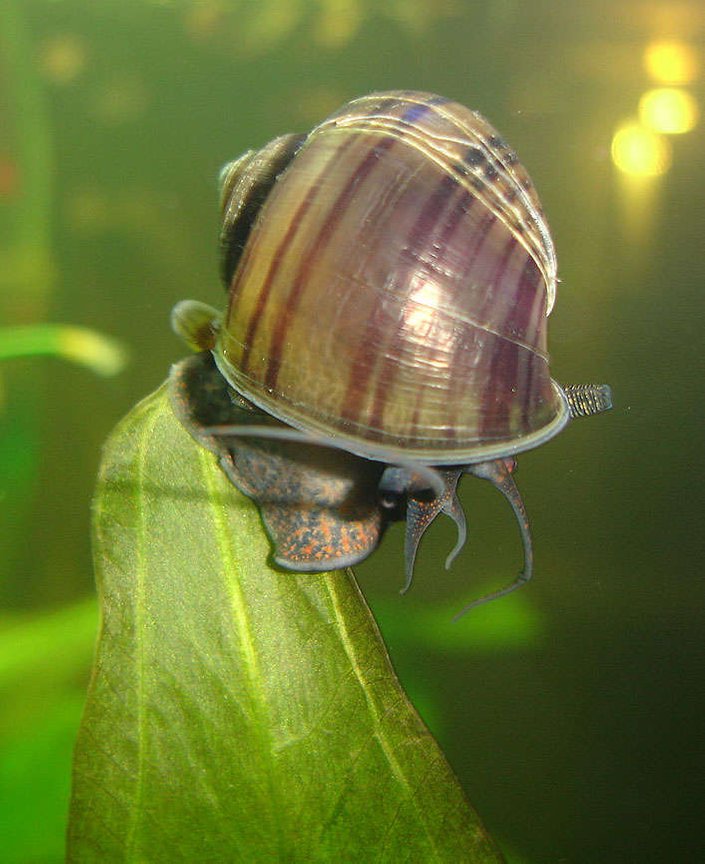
(572, 711)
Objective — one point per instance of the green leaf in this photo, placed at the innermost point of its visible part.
(239, 712)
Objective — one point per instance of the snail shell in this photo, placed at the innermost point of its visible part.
(394, 286)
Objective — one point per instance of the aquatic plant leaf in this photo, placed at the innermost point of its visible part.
(238, 712)
(100, 353)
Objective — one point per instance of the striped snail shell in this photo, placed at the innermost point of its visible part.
(389, 280)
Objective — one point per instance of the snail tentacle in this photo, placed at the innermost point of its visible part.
(420, 513)
(499, 474)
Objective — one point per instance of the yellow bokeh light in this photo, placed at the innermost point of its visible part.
(668, 110)
(671, 62)
(63, 58)
(339, 22)
(640, 152)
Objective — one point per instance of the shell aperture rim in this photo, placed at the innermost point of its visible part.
(381, 453)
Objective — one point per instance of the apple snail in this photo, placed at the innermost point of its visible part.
(389, 277)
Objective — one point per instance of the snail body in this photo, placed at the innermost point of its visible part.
(389, 279)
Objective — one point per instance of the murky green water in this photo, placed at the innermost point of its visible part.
(572, 711)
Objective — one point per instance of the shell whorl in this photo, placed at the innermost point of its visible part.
(244, 186)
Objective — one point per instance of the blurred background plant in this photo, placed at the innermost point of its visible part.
(574, 705)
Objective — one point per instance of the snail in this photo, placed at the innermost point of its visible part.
(389, 279)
